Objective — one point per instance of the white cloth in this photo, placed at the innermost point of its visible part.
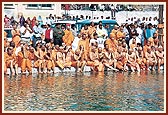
(101, 32)
(100, 42)
(75, 43)
(37, 31)
(137, 41)
(140, 32)
(93, 41)
(27, 34)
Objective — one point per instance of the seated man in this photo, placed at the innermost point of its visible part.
(77, 60)
(132, 61)
(160, 57)
(150, 58)
(10, 61)
(107, 59)
(60, 56)
(23, 55)
(40, 62)
(119, 57)
(141, 60)
(93, 60)
(49, 61)
(68, 56)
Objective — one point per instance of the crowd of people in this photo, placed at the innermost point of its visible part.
(108, 7)
(128, 47)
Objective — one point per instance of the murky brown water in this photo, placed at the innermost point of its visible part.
(85, 92)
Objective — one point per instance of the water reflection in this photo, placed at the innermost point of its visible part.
(85, 92)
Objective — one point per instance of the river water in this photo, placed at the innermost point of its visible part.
(107, 91)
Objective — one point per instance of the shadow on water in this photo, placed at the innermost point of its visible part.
(109, 91)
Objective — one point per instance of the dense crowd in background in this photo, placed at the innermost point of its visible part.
(108, 7)
(132, 46)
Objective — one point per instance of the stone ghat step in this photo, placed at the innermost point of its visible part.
(58, 70)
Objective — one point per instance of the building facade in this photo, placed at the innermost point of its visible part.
(31, 10)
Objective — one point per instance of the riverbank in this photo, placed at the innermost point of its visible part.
(66, 70)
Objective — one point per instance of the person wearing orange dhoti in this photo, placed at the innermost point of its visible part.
(55, 49)
(124, 55)
(83, 43)
(132, 61)
(68, 56)
(51, 43)
(49, 61)
(68, 38)
(77, 60)
(31, 55)
(114, 31)
(85, 31)
(40, 63)
(24, 59)
(112, 42)
(151, 59)
(92, 29)
(141, 60)
(108, 59)
(10, 61)
(35, 60)
(148, 45)
(120, 34)
(93, 60)
(153, 39)
(60, 56)
(101, 56)
(15, 35)
(119, 57)
(160, 57)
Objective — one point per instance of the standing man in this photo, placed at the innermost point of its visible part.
(107, 28)
(48, 33)
(25, 33)
(37, 33)
(58, 33)
(22, 21)
(92, 29)
(149, 31)
(68, 38)
(102, 34)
